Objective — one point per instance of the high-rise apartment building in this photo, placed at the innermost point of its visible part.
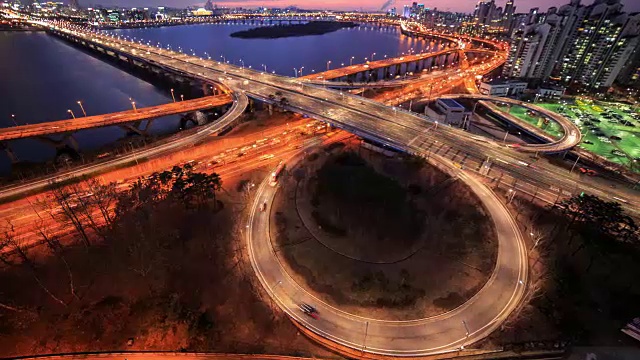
(529, 54)
(576, 44)
(406, 11)
(507, 16)
(630, 74)
(603, 42)
(484, 12)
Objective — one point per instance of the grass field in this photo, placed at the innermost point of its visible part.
(550, 127)
(608, 130)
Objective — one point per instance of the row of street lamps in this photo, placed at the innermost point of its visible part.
(297, 72)
(133, 105)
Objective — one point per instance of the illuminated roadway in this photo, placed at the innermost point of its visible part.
(87, 122)
(402, 130)
(176, 142)
(571, 132)
(375, 65)
(482, 314)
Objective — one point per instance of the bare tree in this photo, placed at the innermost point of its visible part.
(104, 198)
(64, 208)
(22, 253)
(84, 209)
(55, 247)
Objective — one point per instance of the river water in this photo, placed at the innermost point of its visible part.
(43, 77)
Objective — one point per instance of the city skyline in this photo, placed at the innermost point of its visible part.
(466, 6)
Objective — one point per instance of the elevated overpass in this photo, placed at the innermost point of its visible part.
(118, 118)
(419, 30)
(571, 132)
(368, 75)
(239, 103)
(390, 66)
(402, 130)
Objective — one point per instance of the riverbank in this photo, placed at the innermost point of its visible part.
(310, 28)
(4, 27)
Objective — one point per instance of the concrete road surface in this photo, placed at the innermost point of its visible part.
(482, 314)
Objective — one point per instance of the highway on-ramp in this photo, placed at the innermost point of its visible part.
(571, 132)
(482, 314)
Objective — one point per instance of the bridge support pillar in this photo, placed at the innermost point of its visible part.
(207, 89)
(67, 147)
(136, 128)
(12, 156)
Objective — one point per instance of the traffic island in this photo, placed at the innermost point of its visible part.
(388, 238)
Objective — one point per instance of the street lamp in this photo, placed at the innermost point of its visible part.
(72, 114)
(351, 61)
(265, 67)
(13, 118)
(181, 97)
(574, 164)
(242, 61)
(82, 108)
(173, 96)
(372, 55)
(466, 335)
(328, 64)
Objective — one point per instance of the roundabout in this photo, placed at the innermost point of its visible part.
(468, 323)
(381, 237)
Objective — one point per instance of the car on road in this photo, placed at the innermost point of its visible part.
(588, 171)
(263, 207)
(309, 310)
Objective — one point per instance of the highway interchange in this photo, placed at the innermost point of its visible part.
(404, 131)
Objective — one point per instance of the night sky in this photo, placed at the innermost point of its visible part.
(367, 5)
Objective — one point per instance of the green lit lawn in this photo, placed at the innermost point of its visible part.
(550, 127)
(602, 145)
(630, 143)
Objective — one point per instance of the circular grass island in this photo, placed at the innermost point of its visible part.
(382, 237)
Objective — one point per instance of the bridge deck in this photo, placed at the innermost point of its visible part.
(373, 65)
(81, 123)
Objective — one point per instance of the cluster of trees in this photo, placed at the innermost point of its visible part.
(182, 184)
(591, 215)
(88, 213)
(603, 227)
